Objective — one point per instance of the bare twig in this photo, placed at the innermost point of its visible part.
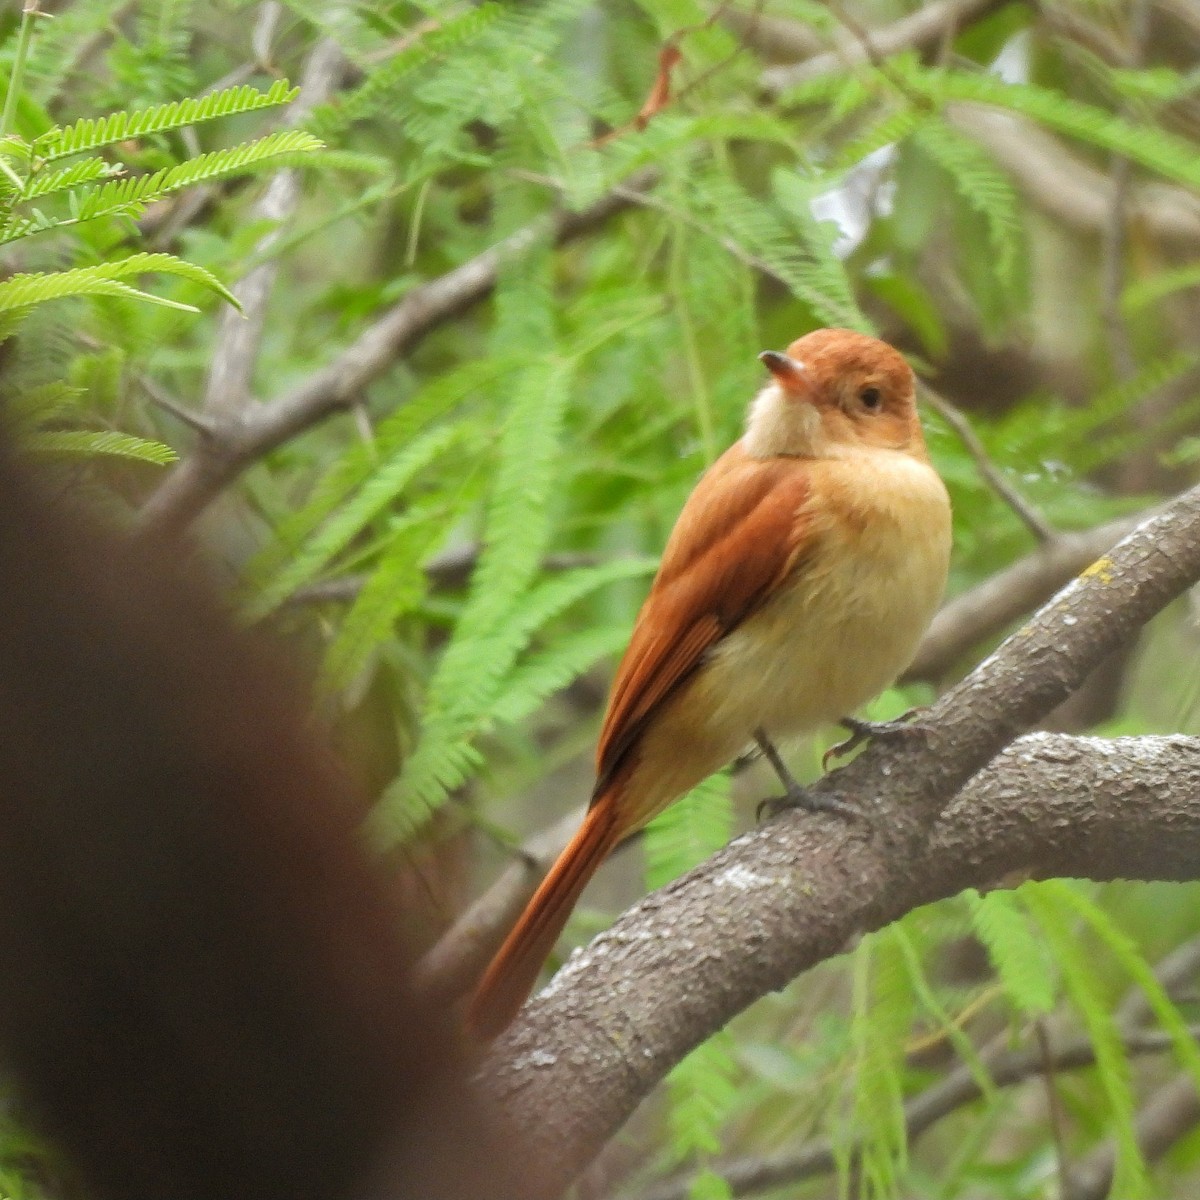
(957, 420)
(213, 465)
(1171, 1112)
(240, 334)
(923, 30)
(1067, 188)
(1058, 1121)
(1005, 1065)
(990, 607)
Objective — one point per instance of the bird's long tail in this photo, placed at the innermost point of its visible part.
(512, 973)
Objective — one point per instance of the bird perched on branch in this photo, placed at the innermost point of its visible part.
(795, 586)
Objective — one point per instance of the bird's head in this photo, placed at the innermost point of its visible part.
(834, 391)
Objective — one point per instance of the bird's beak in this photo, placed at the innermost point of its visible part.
(787, 370)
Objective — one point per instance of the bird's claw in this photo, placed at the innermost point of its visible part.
(800, 797)
(861, 731)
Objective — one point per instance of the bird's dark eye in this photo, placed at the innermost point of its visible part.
(870, 398)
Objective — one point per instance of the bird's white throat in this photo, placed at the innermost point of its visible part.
(778, 424)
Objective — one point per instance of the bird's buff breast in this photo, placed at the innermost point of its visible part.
(833, 637)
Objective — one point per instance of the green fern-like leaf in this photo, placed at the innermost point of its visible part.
(130, 196)
(75, 444)
(375, 496)
(702, 1093)
(394, 436)
(394, 587)
(984, 187)
(1134, 963)
(1144, 293)
(380, 86)
(688, 831)
(516, 530)
(927, 998)
(880, 1021)
(789, 242)
(892, 127)
(1171, 156)
(93, 132)
(24, 412)
(1019, 956)
(104, 279)
(549, 670)
(1085, 986)
(49, 183)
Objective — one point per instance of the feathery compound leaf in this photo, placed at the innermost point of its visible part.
(882, 1015)
(21, 291)
(48, 183)
(489, 634)
(928, 999)
(394, 587)
(1020, 957)
(131, 195)
(394, 436)
(379, 88)
(88, 444)
(688, 831)
(380, 490)
(1122, 948)
(1171, 156)
(702, 1093)
(984, 187)
(550, 670)
(91, 133)
(25, 411)
(1087, 992)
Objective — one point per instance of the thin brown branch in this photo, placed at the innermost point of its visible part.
(1054, 1105)
(990, 607)
(1171, 1113)
(790, 894)
(213, 465)
(921, 30)
(957, 420)
(1006, 1066)
(239, 335)
(1069, 189)
(451, 569)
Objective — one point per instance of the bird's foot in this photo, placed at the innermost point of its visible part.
(862, 731)
(797, 796)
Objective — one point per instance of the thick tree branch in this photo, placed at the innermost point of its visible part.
(790, 894)
(249, 435)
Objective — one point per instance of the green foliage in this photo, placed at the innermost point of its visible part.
(881, 1014)
(460, 555)
(93, 133)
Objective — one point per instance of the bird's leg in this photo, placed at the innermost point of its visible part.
(795, 795)
(861, 731)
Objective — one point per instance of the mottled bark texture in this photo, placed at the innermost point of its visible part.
(776, 901)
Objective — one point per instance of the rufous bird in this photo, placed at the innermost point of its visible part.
(795, 586)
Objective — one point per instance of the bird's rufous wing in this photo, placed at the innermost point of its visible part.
(740, 535)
